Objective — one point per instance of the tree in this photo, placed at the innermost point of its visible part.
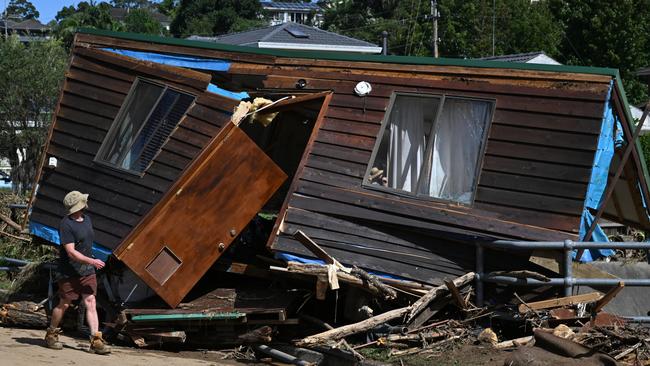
(465, 26)
(141, 21)
(84, 15)
(20, 10)
(30, 77)
(600, 33)
(211, 17)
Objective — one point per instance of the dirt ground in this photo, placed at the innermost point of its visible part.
(24, 347)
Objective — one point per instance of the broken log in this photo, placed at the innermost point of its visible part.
(11, 223)
(346, 330)
(435, 293)
(514, 342)
(365, 325)
(26, 314)
(319, 270)
(455, 294)
(387, 292)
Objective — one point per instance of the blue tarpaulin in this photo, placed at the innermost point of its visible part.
(198, 63)
(611, 136)
(52, 235)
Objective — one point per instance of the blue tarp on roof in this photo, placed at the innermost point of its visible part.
(198, 63)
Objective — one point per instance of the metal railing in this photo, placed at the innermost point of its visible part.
(567, 280)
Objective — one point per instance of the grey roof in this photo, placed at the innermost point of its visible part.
(299, 6)
(280, 34)
(517, 57)
(25, 25)
(121, 13)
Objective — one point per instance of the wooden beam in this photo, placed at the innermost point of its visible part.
(562, 301)
(609, 296)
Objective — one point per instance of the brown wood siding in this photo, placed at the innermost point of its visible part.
(96, 85)
(532, 185)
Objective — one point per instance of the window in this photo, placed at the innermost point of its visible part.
(429, 146)
(147, 118)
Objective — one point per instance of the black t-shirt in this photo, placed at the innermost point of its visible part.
(82, 235)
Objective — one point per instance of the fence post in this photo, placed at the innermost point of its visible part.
(479, 274)
(568, 268)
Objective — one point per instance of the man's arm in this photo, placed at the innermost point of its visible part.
(76, 256)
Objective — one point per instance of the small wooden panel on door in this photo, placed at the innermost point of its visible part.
(210, 204)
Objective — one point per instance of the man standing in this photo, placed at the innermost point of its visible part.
(76, 271)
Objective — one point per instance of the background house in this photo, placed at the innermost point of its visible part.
(28, 30)
(282, 12)
(294, 36)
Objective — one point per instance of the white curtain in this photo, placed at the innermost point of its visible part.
(458, 139)
(407, 143)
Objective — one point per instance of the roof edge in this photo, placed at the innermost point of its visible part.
(340, 56)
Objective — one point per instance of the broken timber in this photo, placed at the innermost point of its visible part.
(562, 301)
(409, 312)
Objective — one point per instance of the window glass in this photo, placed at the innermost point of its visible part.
(432, 153)
(138, 105)
(150, 114)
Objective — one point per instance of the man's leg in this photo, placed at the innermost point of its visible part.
(97, 343)
(91, 313)
(58, 311)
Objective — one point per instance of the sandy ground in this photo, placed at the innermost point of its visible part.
(25, 347)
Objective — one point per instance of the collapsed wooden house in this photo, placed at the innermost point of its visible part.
(393, 164)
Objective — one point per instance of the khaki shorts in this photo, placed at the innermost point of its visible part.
(73, 287)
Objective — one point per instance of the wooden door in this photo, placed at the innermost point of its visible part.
(211, 203)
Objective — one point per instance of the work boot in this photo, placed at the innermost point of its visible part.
(98, 344)
(52, 338)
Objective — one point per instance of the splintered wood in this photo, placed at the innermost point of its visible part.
(406, 313)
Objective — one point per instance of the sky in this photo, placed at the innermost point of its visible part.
(46, 8)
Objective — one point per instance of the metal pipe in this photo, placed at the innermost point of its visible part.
(637, 319)
(505, 244)
(9, 269)
(574, 281)
(19, 262)
(281, 356)
(568, 267)
(479, 275)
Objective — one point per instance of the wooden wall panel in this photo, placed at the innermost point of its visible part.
(95, 88)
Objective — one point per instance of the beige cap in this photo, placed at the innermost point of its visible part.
(75, 201)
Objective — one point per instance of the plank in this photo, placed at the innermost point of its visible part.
(196, 80)
(344, 139)
(200, 126)
(84, 118)
(537, 202)
(102, 68)
(79, 131)
(537, 169)
(330, 178)
(337, 166)
(532, 185)
(543, 137)
(559, 302)
(98, 79)
(351, 127)
(346, 153)
(548, 121)
(540, 153)
(89, 105)
(94, 93)
(83, 162)
(554, 221)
